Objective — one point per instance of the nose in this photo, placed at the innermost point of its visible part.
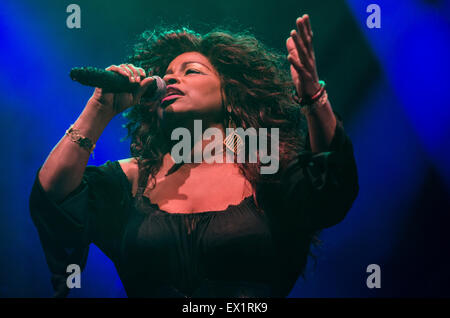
(170, 80)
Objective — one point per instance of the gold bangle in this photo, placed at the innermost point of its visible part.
(81, 140)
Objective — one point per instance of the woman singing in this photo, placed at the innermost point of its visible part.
(201, 229)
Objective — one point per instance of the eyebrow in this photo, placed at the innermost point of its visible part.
(183, 65)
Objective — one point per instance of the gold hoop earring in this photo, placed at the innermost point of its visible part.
(233, 141)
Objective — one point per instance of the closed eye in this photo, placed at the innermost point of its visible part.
(193, 71)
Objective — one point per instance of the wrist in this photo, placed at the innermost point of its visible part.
(82, 141)
(311, 109)
(309, 99)
(98, 111)
(309, 104)
(92, 121)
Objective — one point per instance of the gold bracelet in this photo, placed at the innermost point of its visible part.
(308, 109)
(81, 140)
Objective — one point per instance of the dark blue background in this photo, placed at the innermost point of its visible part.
(390, 84)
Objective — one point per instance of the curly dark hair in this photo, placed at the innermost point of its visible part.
(256, 84)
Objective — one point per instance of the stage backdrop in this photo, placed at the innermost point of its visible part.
(389, 83)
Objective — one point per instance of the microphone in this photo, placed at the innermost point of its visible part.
(116, 83)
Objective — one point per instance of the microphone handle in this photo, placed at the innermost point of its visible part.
(115, 82)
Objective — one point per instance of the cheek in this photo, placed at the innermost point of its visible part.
(208, 95)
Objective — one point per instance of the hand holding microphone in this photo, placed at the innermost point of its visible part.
(119, 87)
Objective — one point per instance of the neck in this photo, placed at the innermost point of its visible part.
(209, 151)
(196, 128)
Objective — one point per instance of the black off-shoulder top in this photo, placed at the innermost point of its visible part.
(242, 251)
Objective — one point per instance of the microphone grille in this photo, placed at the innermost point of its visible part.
(160, 87)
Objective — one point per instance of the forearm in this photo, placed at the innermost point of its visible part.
(321, 127)
(64, 167)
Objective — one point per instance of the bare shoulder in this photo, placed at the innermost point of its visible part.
(130, 168)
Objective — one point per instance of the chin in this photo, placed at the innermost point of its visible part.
(176, 107)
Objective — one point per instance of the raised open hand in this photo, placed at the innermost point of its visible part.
(302, 59)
